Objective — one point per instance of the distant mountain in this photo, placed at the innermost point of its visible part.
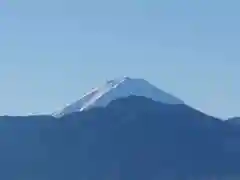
(132, 138)
(234, 120)
(118, 88)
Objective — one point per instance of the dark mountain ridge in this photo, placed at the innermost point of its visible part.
(131, 138)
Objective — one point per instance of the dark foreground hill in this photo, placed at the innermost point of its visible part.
(131, 139)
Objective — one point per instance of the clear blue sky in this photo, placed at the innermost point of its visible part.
(52, 51)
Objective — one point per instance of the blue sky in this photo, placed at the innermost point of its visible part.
(52, 51)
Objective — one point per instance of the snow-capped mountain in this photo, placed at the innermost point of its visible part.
(118, 88)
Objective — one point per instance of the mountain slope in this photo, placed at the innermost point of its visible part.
(130, 138)
(118, 88)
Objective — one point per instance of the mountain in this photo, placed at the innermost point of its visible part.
(118, 88)
(234, 120)
(130, 138)
(125, 130)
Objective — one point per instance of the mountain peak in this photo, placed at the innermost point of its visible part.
(117, 81)
(118, 88)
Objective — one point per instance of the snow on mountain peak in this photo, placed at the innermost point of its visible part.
(118, 88)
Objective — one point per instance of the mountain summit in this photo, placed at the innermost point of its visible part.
(118, 88)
